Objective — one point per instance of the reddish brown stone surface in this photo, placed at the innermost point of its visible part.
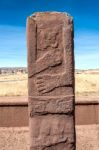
(51, 81)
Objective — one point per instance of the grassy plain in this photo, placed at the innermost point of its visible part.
(13, 84)
(86, 84)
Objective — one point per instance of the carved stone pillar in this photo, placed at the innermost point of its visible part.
(51, 81)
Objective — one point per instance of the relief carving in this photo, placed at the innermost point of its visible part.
(46, 83)
(49, 59)
(51, 76)
(51, 130)
(47, 38)
(52, 57)
(50, 105)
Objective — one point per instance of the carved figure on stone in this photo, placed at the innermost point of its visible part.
(49, 59)
(51, 81)
(52, 57)
(46, 83)
(48, 39)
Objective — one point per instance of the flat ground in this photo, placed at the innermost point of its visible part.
(86, 84)
(18, 138)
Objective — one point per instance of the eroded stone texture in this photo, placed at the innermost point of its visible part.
(51, 130)
(51, 81)
(50, 105)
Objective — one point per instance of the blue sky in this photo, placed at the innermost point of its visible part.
(13, 14)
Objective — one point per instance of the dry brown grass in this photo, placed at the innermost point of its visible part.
(86, 83)
(14, 85)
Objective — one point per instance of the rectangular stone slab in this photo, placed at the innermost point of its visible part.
(51, 81)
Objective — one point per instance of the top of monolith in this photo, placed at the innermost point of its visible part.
(43, 15)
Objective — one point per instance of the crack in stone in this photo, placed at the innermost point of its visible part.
(47, 113)
(55, 144)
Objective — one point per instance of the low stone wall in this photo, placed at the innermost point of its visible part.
(14, 112)
(14, 115)
(87, 112)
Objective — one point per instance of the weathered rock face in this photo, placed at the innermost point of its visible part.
(51, 81)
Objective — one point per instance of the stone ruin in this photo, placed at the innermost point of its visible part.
(51, 81)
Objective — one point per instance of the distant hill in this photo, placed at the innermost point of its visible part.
(5, 70)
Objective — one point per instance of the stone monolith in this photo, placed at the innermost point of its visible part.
(51, 81)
